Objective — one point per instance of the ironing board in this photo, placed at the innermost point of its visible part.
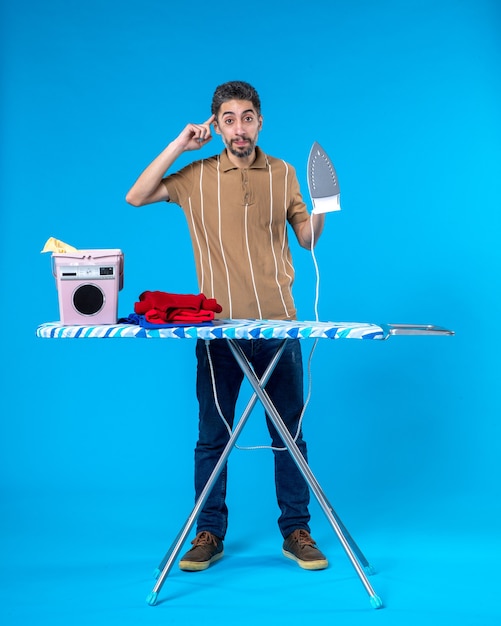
(232, 331)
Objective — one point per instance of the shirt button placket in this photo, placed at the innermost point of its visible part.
(245, 185)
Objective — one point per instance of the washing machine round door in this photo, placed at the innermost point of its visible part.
(88, 299)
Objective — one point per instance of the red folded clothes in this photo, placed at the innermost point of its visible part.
(159, 307)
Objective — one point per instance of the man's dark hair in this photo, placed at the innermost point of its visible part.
(235, 90)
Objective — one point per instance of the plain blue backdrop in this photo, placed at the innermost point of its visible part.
(404, 435)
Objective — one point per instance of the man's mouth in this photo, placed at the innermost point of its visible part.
(241, 147)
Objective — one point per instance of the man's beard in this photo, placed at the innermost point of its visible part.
(243, 152)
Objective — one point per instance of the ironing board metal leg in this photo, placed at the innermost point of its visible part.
(304, 468)
(171, 555)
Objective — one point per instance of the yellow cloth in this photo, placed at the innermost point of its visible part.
(54, 245)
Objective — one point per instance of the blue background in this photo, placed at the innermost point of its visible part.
(97, 436)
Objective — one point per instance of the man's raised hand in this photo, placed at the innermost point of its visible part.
(194, 136)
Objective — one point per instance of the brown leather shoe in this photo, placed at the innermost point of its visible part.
(207, 548)
(300, 547)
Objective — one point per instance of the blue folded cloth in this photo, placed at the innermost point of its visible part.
(140, 320)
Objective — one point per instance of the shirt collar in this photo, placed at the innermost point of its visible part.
(259, 161)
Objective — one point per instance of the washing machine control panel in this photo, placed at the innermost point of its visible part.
(87, 272)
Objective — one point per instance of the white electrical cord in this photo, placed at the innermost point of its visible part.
(308, 397)
(317, 272)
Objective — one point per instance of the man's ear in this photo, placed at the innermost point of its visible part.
(216, 126)
(260, 123)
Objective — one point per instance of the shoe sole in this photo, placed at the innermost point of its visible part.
(199, 566)
(309, 565)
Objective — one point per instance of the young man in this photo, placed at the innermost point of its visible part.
(238, 205)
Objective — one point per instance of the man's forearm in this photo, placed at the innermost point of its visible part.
(304, 233)
(148, 187)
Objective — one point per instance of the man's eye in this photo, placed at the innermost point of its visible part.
(249, 119)
(228, 121)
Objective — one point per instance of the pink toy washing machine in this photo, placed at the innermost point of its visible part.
(88, 282)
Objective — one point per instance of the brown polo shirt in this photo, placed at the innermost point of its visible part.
(238, 224)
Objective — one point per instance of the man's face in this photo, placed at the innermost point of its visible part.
(238, 124)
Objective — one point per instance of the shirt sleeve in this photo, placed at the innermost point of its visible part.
(296, 211)
(179, 185)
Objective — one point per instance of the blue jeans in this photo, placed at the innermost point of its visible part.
(285, 388)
